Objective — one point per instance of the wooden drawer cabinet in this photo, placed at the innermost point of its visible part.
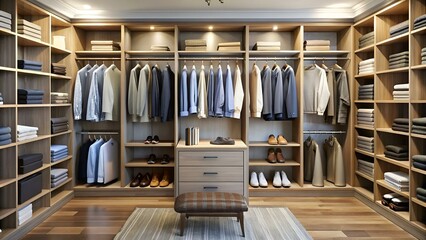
(219, 174)
(211, 158)
(234, 187)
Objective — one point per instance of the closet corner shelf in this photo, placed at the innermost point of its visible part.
(26, 41)
(365, 176)
(422, 136)
(6, 212)
(271, 188)
(5, 182)
(397, 39)
(40, 137)
(5, 32)
(98, 53)
(364, 152)
(393, 101)
(33, 105)
(265, 144)
(58, 197)
(396, 70)
(57, 76)
(403, 164)
(22, 176)
(419, 31)
(364, 101)
(365, 75)
(366, 49)
(61, 161)
(331, 53)
(142, 144)
(151, 53)
(56, 50)
(7, 106)
(272, 54)
(69, 179)
(364, 127)
(402, 214)
(36, 197)
(135, 163)
(366, 193)
(8, 69)
(419, 67)
(389, 130)
(61, 105)
(61, 133)
(384, 184)
(31, 72)
(7, 145)
(419, 202)
(210, 53)
(264, 163)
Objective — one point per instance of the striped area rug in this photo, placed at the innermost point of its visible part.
(260, 223)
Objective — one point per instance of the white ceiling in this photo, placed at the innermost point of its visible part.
(198, 9)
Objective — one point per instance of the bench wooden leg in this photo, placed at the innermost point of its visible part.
(182, 223)
(241, 218)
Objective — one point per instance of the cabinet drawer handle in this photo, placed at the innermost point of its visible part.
(208, 157)
(210, 173)
(210, 188)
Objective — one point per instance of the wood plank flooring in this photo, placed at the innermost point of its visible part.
(323, 217)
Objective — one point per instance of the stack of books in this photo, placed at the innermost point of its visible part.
(105, 45)
(5, 20)
(160, 48)
(195, 45)
(192, 136)
(267, 46)
(29, 29)
(316, 45)
(229, 46)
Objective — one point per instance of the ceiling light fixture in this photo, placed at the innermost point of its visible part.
(275, 28)
(209, 1)
(152, 28)
(210, 28)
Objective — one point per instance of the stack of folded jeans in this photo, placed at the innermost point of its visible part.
(419, 161)
(366, 167)
(366, 39)
(421, 193)
(60, 69)
(29, 65)
(365, 143)
(5, 136)
(398, 60)
(400, 124)
(365, 116)
(58, 152)
(58, 97)
(29, 162)
(26, 132)
(5, 20)
(395, 152)
(420, 22)
(423, 55)
(58, 176)
(419, 125)
(59, 124)
(366, 66)
(399, 29)
(30, 96)
(401, 91)
(1, 99)
(398, 180)
(366, 92)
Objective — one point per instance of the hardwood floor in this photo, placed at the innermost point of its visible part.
(323, 217)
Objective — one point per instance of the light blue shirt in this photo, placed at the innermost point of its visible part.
(193, 92)
(183, 93)
(219, 96)
(93, 161)
(229, 94)
(210, 92)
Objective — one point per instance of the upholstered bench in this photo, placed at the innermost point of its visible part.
(210, 204)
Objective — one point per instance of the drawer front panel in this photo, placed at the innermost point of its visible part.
(207, 174)
(211, 158)
(234, 187)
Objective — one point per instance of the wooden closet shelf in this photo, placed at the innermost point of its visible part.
(364, 101)
(272, 54)
(365, 192)
(403, 164)
(211, 53)
(419, 31)
(265, 144)
(418, 170)
(61, 161)
(384, 184)
(43, 105)
(135, 163)
(365, 75)
(43, 193)
(398, 39)
(8, 69)
(397, 70)
(364, 152)
(419, 202)
(366, 49)
(264, 163)
(331, 53)
(142, 144)
(327, 185)
(56, 50)
(26, 41)
(5, 32)
(415, 135)
(22, 176)
(389, 130)
(7, 145)
(364, 127)
(61, 133)
(8, 106)
(61, 105)
(271, 188)
(6, 212)
(5, 182)
(365, 176)
(393, 101)
(419, 67)
(402, 214)
(62, 184)
(149, 188)
(40, 137)
(98, 53)
(31, 72)
(57, 76)
(60, 196)
(133, 53)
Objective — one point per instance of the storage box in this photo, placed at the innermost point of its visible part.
(30, 167)
(29, 187)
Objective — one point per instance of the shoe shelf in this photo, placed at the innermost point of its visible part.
(264, 144)
(143, 145)
(135, 163)
(149, 188)
(366, 193)
(271, 188)
(402, 214)
(327, 185)
(264, 163)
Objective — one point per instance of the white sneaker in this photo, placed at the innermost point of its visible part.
(277, 180)
(254, 181)
(262, 180)
(285, 182)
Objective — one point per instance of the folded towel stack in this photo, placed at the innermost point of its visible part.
(1, 99)
(419, 125)
(423, 55)
(421, 193)
(399, 29)
(399, 153)
(58, 152)
(162, 48)
(29, 65)
(29, 29)
(398, 60)
(229, 46)
(59, 124)
(58, 176)
(267, 46)
(398, 180)
(316, 45)
(5, 20)
(195, 45)
(29, 162)
(30, 96)
(58, 68)
(366, 92)
(419, 161)
(365, 116)
(365, 143)
(25, 214)
(5, 136)
(105, 45)
(420, 22)
(26, 132)
(366, 39)
(366, 167)
(401, 124)
(58, 97)
(401, 91)
(366, 66)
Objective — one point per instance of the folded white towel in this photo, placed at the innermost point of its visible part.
(401, 86)
(366, 110)
(367, 61)
(23, 129)
(400, 177)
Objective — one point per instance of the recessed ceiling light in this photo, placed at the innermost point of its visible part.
(152, 27)
(275, 28)
(87, 6)
(210, 28)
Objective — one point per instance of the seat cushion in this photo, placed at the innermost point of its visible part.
(209, 202)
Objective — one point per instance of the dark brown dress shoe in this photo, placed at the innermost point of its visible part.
(136, 181)
(271, 156)
(280, 156)
(146, 180)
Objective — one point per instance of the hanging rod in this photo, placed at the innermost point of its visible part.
(151, 59)
(211, 58)
(326, 58)
(98, 133)
(273, 58)
(323, 132)
(96, 59)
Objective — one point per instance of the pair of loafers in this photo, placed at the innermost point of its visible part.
(153, 159)
(279, 140)
(141, 180)
(275, 156)
(153, 181)
(153, 140)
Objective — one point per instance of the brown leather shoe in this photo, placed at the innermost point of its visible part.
(145, 180)
(271, 156)
(272, 140)
(279, 155)
(281, 140)
(166, 179)
(136, 181)
(155, 181)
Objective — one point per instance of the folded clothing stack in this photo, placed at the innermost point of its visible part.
(419, 125)
(395, 202)
(421, 193)
(59, 69)
(399, 29)
(401, 91)
(30, 96)
(105, 45)
(267, 46)
(5, 136)
(366, 66)
(365, 116)
(59, 97)
(395, 152)
(366, 167)
(29, 29)
(366, 39)
(58, 176)
(195, 45)
(423, 55)
(420, 22)
(366, 92)
(25, 214)
(229, 46)
(419, 161)
(399, 60)
(58, 152)
(365, 143)
(26, 132)
(5, 20)
(401, 124)
(59, 124)
(398, 180)
(29, 162)
(160, 48)
(29, 65)
(316, 45)
(1, 99)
